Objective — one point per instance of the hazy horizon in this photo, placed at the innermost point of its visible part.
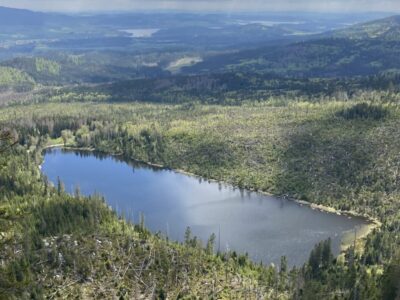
(226, 6)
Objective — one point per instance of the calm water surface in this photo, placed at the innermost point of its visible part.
(264, 227)
(141, 33)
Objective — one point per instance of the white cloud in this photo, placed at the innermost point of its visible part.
(209, 5)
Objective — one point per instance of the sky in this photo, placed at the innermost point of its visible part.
(207, 5)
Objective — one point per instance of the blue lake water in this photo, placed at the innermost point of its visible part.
(265, 227)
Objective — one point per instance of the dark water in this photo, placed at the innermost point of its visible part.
(264, 227)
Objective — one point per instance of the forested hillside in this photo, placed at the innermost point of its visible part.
(54, 245)
(334, 153)
(14, 79)
(279, 107)
(60, 68)
(361, 50)
(385, 29)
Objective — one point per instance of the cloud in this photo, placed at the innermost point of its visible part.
(207, 5)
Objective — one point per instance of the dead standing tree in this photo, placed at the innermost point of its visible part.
(7, 140)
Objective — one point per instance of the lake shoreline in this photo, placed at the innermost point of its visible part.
(372, 223)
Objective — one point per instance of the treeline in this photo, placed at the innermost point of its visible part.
(231, 89)
(364, 111)
(106, 79)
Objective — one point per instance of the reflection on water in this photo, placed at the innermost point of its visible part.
(264, 227)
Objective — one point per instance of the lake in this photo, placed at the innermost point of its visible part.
(263, 226)
(141, 32)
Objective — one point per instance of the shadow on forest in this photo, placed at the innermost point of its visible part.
(329, 160)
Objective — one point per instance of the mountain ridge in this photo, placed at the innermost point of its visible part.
(25, 17)
(362, 49)
(386, 28)
(16, 17)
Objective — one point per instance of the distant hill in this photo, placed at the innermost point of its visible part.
(18, 17)
(384, 29)
(24, 17)
(364, 49)
(92, 67)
